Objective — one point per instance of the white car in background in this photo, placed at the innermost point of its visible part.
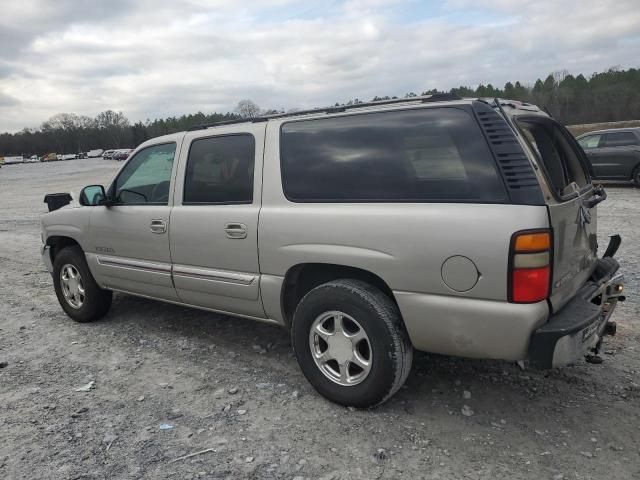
(15, 159)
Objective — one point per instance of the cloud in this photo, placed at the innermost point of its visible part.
(152, 58)
(7, 100)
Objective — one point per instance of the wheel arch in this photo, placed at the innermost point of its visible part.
(303, 277)
(58, 242)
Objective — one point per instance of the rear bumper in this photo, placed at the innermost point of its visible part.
(579, 325)
(470, 327)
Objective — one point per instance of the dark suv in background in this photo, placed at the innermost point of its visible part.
(614, 154)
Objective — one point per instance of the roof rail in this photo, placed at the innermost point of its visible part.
(203, 126)
(436, 97)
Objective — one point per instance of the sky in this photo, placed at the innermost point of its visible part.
(157, 58)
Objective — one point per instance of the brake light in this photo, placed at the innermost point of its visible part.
(530, 266)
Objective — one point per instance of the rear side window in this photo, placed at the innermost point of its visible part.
(620, 139)
(436, 154)
(591, 141)
(220, 170)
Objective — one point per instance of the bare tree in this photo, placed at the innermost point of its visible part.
(110, 119)
(247, 109)
(62, 121)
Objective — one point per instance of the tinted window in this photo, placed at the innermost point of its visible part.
(436, 154)
(591, 141)
(147, 176)
(220, 170)
(620, 139)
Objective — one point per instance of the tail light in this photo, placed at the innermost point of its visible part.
(530, 266)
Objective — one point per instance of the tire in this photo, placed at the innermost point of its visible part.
(91, 305)
(357, 305)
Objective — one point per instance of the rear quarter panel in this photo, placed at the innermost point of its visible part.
(405, 244)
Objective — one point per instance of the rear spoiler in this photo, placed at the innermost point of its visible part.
(55, 201)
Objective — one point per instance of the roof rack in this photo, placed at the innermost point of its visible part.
(436, 97)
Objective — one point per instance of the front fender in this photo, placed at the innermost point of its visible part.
(71, 223)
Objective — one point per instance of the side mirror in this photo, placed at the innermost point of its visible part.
(92, 195)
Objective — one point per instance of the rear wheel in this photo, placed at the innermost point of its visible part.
(351, 344)
(78, 293)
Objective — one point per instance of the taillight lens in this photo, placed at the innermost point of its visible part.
(530, 266)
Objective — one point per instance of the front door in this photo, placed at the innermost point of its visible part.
(214, 223)
(129, 240)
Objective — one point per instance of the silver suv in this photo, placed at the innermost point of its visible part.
(456, 226)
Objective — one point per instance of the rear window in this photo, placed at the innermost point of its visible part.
(559, 158)
(620, 139)
(436, 154)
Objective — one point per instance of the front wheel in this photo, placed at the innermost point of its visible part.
(351, 344)
(78, 293)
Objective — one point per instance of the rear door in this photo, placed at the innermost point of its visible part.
(574, 225)
(618, 154)
(214, 222)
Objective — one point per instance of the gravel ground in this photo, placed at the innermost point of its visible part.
(231, 387)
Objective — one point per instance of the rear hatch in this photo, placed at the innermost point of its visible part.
(569, 195)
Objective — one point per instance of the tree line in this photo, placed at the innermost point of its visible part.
(608, 96)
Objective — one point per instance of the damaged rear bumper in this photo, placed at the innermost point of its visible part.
(579, 326)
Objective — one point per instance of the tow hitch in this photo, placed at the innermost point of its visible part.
(577, 329)
(611, 296)
(594, 357)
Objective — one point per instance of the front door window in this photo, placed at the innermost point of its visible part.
(145, 179)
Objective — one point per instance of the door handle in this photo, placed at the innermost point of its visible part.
(236, 230)
(158, 226)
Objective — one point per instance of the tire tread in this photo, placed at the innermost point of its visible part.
(388, 311)
(99, 300)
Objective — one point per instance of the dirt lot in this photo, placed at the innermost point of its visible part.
(233, 386)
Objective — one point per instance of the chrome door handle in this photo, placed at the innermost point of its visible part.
(158, 226)
(236, 230)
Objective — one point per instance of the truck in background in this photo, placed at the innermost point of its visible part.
(16, 159)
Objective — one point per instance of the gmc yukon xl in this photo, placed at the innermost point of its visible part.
(456, 226)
